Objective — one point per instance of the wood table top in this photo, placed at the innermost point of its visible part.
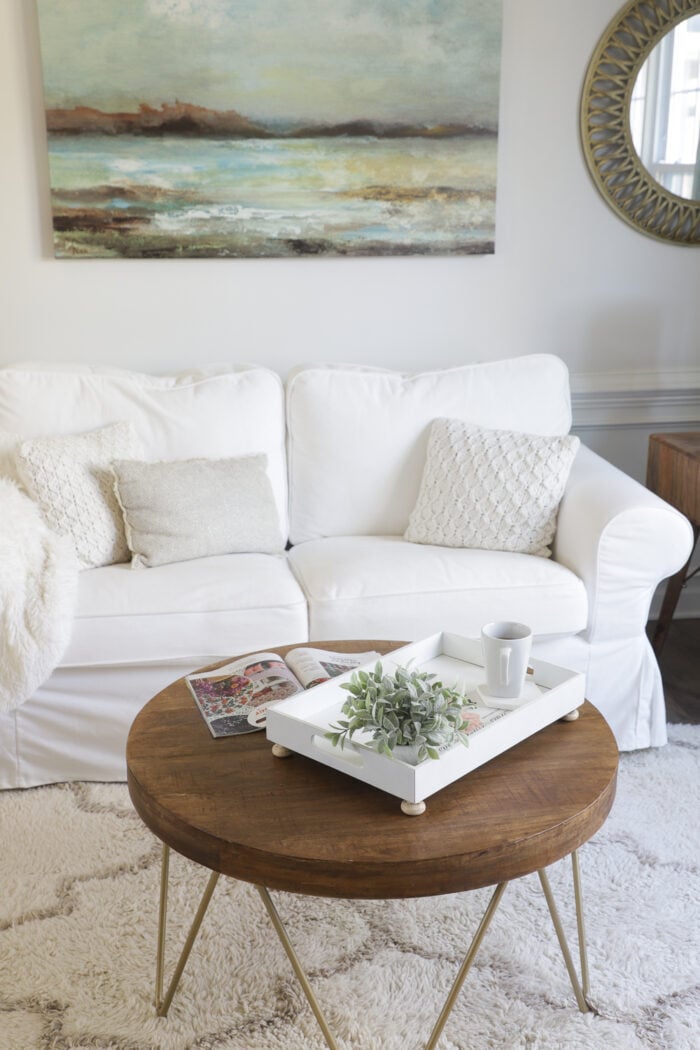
(294, 824)
(673, 471)
(686, 442)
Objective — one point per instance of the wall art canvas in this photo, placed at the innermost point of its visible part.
(254, 128)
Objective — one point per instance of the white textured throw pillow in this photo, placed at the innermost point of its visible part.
(69, 478)
(194, 508)
(490, 489)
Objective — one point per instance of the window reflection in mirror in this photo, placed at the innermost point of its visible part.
(665, 111)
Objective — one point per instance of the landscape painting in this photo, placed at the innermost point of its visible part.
(271, 128)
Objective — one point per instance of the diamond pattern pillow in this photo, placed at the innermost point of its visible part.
(490, 489)
(70, 479)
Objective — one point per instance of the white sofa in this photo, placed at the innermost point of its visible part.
(345, 450)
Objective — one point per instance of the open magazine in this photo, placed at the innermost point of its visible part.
(234, 698)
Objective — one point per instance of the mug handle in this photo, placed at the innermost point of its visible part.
(504, 662)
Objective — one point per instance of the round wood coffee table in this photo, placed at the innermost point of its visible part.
(299, 826)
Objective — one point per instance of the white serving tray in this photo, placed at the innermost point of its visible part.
(299, 723)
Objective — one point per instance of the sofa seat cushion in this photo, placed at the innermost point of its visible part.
(385, 587)
(215, 606)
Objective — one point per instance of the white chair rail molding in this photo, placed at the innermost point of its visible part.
(151, 524)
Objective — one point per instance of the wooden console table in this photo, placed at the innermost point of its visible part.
(673, 473)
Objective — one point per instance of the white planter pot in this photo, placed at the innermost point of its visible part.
(407, 753)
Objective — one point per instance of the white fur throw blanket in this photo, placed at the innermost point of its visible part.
(38, 587)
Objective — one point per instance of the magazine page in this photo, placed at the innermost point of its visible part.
(475, 719)
(314, 666)
(231, 696)
(479, 717)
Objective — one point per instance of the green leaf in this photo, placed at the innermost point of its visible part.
(405, 706)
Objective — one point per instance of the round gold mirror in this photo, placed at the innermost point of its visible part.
(640, 117)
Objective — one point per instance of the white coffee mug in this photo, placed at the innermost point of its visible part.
(506, 647)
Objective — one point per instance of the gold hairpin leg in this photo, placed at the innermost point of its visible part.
(296, 965)
(573, 977)
(578, 894)
(163, 1004)
(449, 1002)
(466, 965)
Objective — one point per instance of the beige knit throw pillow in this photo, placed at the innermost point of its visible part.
(196, 508)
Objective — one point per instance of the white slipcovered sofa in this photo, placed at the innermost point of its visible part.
(84, 648)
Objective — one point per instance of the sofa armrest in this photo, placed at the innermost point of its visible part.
(621, 540)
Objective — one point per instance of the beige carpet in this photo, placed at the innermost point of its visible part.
(78, 912)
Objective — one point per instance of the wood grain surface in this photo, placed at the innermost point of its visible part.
(673, 471)
(294, 824)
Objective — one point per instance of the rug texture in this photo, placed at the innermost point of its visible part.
(79, 885)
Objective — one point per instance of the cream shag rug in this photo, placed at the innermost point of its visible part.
(79, 878)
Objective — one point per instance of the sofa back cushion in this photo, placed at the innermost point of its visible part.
(357, 437)
(213, 413)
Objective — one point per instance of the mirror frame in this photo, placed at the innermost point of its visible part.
(606, 134)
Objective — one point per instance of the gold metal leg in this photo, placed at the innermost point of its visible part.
(464, 968)
(296, 965)
(449, 1002)
(163, 1004)
(580, 998)
(580, 924)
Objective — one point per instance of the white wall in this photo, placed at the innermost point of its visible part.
(568, 276)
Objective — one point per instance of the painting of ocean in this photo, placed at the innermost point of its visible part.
(380, 152)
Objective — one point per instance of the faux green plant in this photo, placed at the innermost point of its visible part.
(406, 708)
